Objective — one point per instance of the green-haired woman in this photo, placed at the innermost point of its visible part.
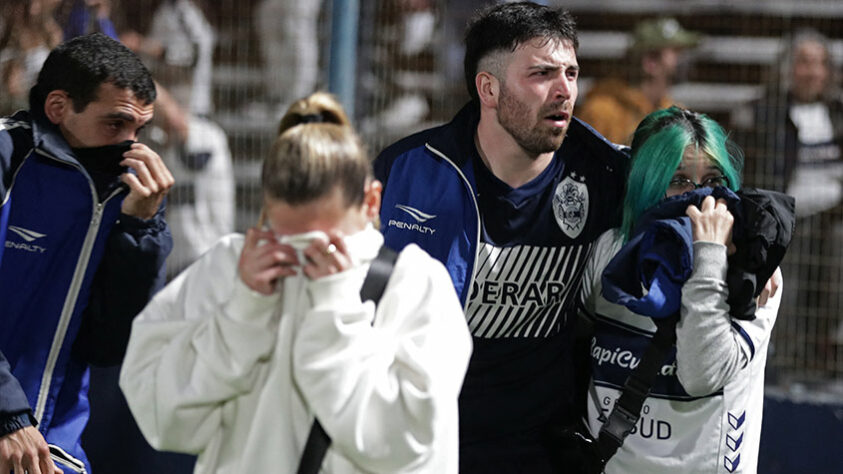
(703, 412)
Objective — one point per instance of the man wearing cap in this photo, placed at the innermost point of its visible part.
(613, 106)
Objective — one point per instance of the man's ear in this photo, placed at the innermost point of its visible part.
(57, 105)
(488, 89)
(372, 199)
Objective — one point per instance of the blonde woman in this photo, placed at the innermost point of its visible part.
(234, 358)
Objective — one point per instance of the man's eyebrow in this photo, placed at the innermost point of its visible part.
(120, 116)
(554, 67)
(545, 67)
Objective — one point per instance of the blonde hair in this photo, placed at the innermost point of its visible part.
(316, 151)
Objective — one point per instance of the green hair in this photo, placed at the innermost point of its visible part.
(657, 148)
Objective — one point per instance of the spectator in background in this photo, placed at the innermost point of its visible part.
(28, 31)
(613, 106)
(793, 133)
(454, 19)
(201, 206)
(287, 33)
(793, 140)
(89, 16)
(406, 33)
(179, 49)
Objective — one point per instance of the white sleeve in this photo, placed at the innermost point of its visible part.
(606, 246)
(588, 287)
(385, 393)
(214, 205)
(196, 345)
(711, 348)
(184, 32)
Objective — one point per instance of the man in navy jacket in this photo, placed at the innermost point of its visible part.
(84, 243)
(510, 195)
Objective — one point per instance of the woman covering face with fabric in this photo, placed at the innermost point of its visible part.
(235, 357)
(691, 260)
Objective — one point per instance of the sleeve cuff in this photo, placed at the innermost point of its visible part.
(334, 289)
(710, 260)
(12, 423)
(136, 225)
(248, 305)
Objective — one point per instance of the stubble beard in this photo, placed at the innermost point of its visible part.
(528, 132)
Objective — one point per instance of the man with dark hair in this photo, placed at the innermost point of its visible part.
(84, 243)
(510, 195)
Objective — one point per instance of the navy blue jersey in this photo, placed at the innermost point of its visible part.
(535, 240)
(516, 257)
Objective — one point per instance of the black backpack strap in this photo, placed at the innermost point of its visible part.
(627, 409)
(374, 285)
(315, 450)
(378, 275)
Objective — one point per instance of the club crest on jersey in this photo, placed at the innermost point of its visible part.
(570, 205)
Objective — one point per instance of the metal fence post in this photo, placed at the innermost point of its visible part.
(342, 73)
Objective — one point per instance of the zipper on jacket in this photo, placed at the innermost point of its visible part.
(61, 457)
(73, 290)
(476, 213)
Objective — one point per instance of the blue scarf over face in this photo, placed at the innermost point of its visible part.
(659, 256)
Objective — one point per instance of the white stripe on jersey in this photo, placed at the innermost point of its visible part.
(7, 123)
(522, 291)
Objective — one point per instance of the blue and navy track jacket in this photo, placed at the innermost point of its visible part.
(74, 271)
(431, 174)
(430, 199)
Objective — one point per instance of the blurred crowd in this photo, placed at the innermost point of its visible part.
(790, 132)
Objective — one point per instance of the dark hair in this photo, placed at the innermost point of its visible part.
(316, 152)
(80, 65)
(509, 25)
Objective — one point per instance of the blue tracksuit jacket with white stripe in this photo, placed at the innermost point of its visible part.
(74, 271)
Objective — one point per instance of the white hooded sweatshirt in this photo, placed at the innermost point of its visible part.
(216, 369)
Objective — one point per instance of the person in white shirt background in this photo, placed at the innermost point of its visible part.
(792, 137)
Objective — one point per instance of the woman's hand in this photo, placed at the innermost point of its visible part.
(263, 263)
(327, 258)
(712, 222)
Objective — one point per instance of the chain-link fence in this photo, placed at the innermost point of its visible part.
(768, 72)
(409, 63)
(742, 72)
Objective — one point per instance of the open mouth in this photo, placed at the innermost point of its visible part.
(559, 119)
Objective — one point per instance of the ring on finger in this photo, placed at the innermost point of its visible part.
(331, 249)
